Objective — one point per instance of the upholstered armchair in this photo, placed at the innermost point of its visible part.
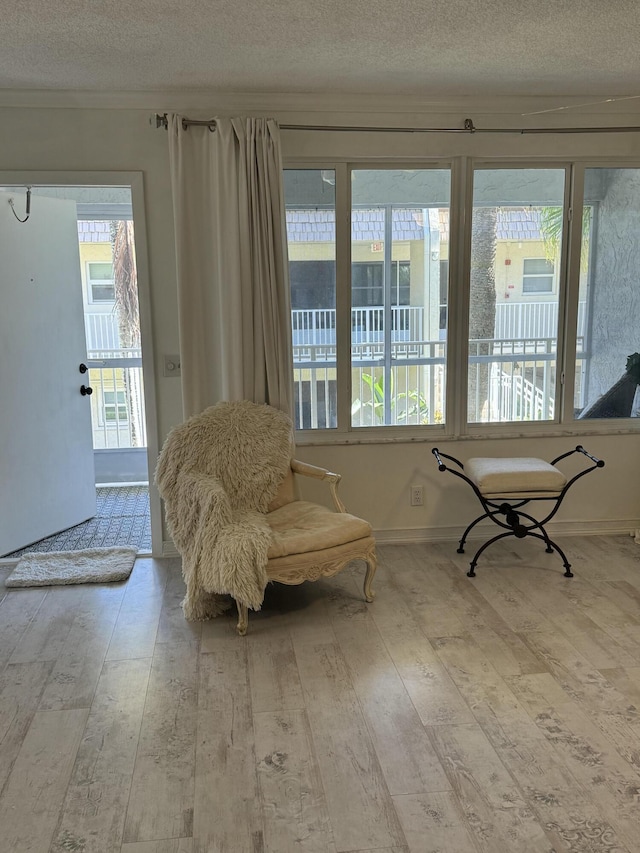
(231, 490)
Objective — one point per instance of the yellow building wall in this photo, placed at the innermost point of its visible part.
(100, 252)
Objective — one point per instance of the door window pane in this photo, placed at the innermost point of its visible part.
(399, 249)
(609, 297)
(311, 235)
(516, 240)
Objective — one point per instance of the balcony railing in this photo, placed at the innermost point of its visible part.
(532, 319)
(101, 330)
(117, 402)
(514, 320)
(318, 326)
(512, 379)
(520, 383)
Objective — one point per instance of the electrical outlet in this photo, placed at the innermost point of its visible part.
(417, 496)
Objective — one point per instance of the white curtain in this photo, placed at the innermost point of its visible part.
(233, 283)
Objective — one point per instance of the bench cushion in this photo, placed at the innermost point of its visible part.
(519, 475)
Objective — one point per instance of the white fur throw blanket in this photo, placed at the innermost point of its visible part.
(217, 473)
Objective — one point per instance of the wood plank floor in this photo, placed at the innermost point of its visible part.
(499, 714)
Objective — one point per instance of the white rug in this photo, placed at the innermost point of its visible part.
(92, 565)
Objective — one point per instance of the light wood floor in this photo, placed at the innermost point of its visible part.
(493, 715)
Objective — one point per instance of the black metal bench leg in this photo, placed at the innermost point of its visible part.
(469, 529)
(472, 568)
(536, 525)
(551, 547)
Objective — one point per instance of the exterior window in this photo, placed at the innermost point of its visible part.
(537, 275)
(115, 407)
(100, 281)
(367, 283)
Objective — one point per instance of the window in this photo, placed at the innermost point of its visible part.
(397, 290)
(311, 235)
(537, 275)
(609, 298)
(100, 281)
(115, 407)
(367, 283)
(512, 360)
(374, 311)
(398, 355)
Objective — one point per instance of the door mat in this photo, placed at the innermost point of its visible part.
(92, 565)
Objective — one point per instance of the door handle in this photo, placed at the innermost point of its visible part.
(85, 390)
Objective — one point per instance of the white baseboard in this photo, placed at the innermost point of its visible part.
(618, 527)
(422, 535)
(169, 549)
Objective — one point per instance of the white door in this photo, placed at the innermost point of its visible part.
(47, 480)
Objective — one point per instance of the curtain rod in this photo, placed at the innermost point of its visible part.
(469, 127)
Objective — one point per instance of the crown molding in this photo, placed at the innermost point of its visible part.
(528, 110)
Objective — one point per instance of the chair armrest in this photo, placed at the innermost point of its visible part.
(317, 473)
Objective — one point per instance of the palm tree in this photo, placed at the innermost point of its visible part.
(125, 282)
(551, 221)
(482, 305)
(128, 313)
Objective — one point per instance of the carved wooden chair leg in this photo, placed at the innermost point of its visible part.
(372, 565)
(243, 618)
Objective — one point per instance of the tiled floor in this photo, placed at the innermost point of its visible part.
(122, 518)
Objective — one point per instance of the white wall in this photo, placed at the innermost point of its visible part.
(376, 476)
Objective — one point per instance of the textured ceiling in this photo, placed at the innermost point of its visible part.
(407, 47)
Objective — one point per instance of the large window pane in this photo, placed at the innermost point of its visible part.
(311, 234)
(399, 254)
(513, 309)
(609, 307)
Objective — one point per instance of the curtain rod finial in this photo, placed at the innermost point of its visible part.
(159, 119)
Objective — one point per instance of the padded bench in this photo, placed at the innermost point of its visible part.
(504, 485)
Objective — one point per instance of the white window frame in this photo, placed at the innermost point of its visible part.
(98, 282)
(566, 281)
(116, 405)
(344, 430)
(526, 277)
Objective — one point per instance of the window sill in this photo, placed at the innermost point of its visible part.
(430, 435)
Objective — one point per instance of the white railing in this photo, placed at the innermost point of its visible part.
(514, 321)
(101, 330)
(532, 319)
(117, 401)
(510, 380)
(519, 399)
(416, 395)
(318, 326)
